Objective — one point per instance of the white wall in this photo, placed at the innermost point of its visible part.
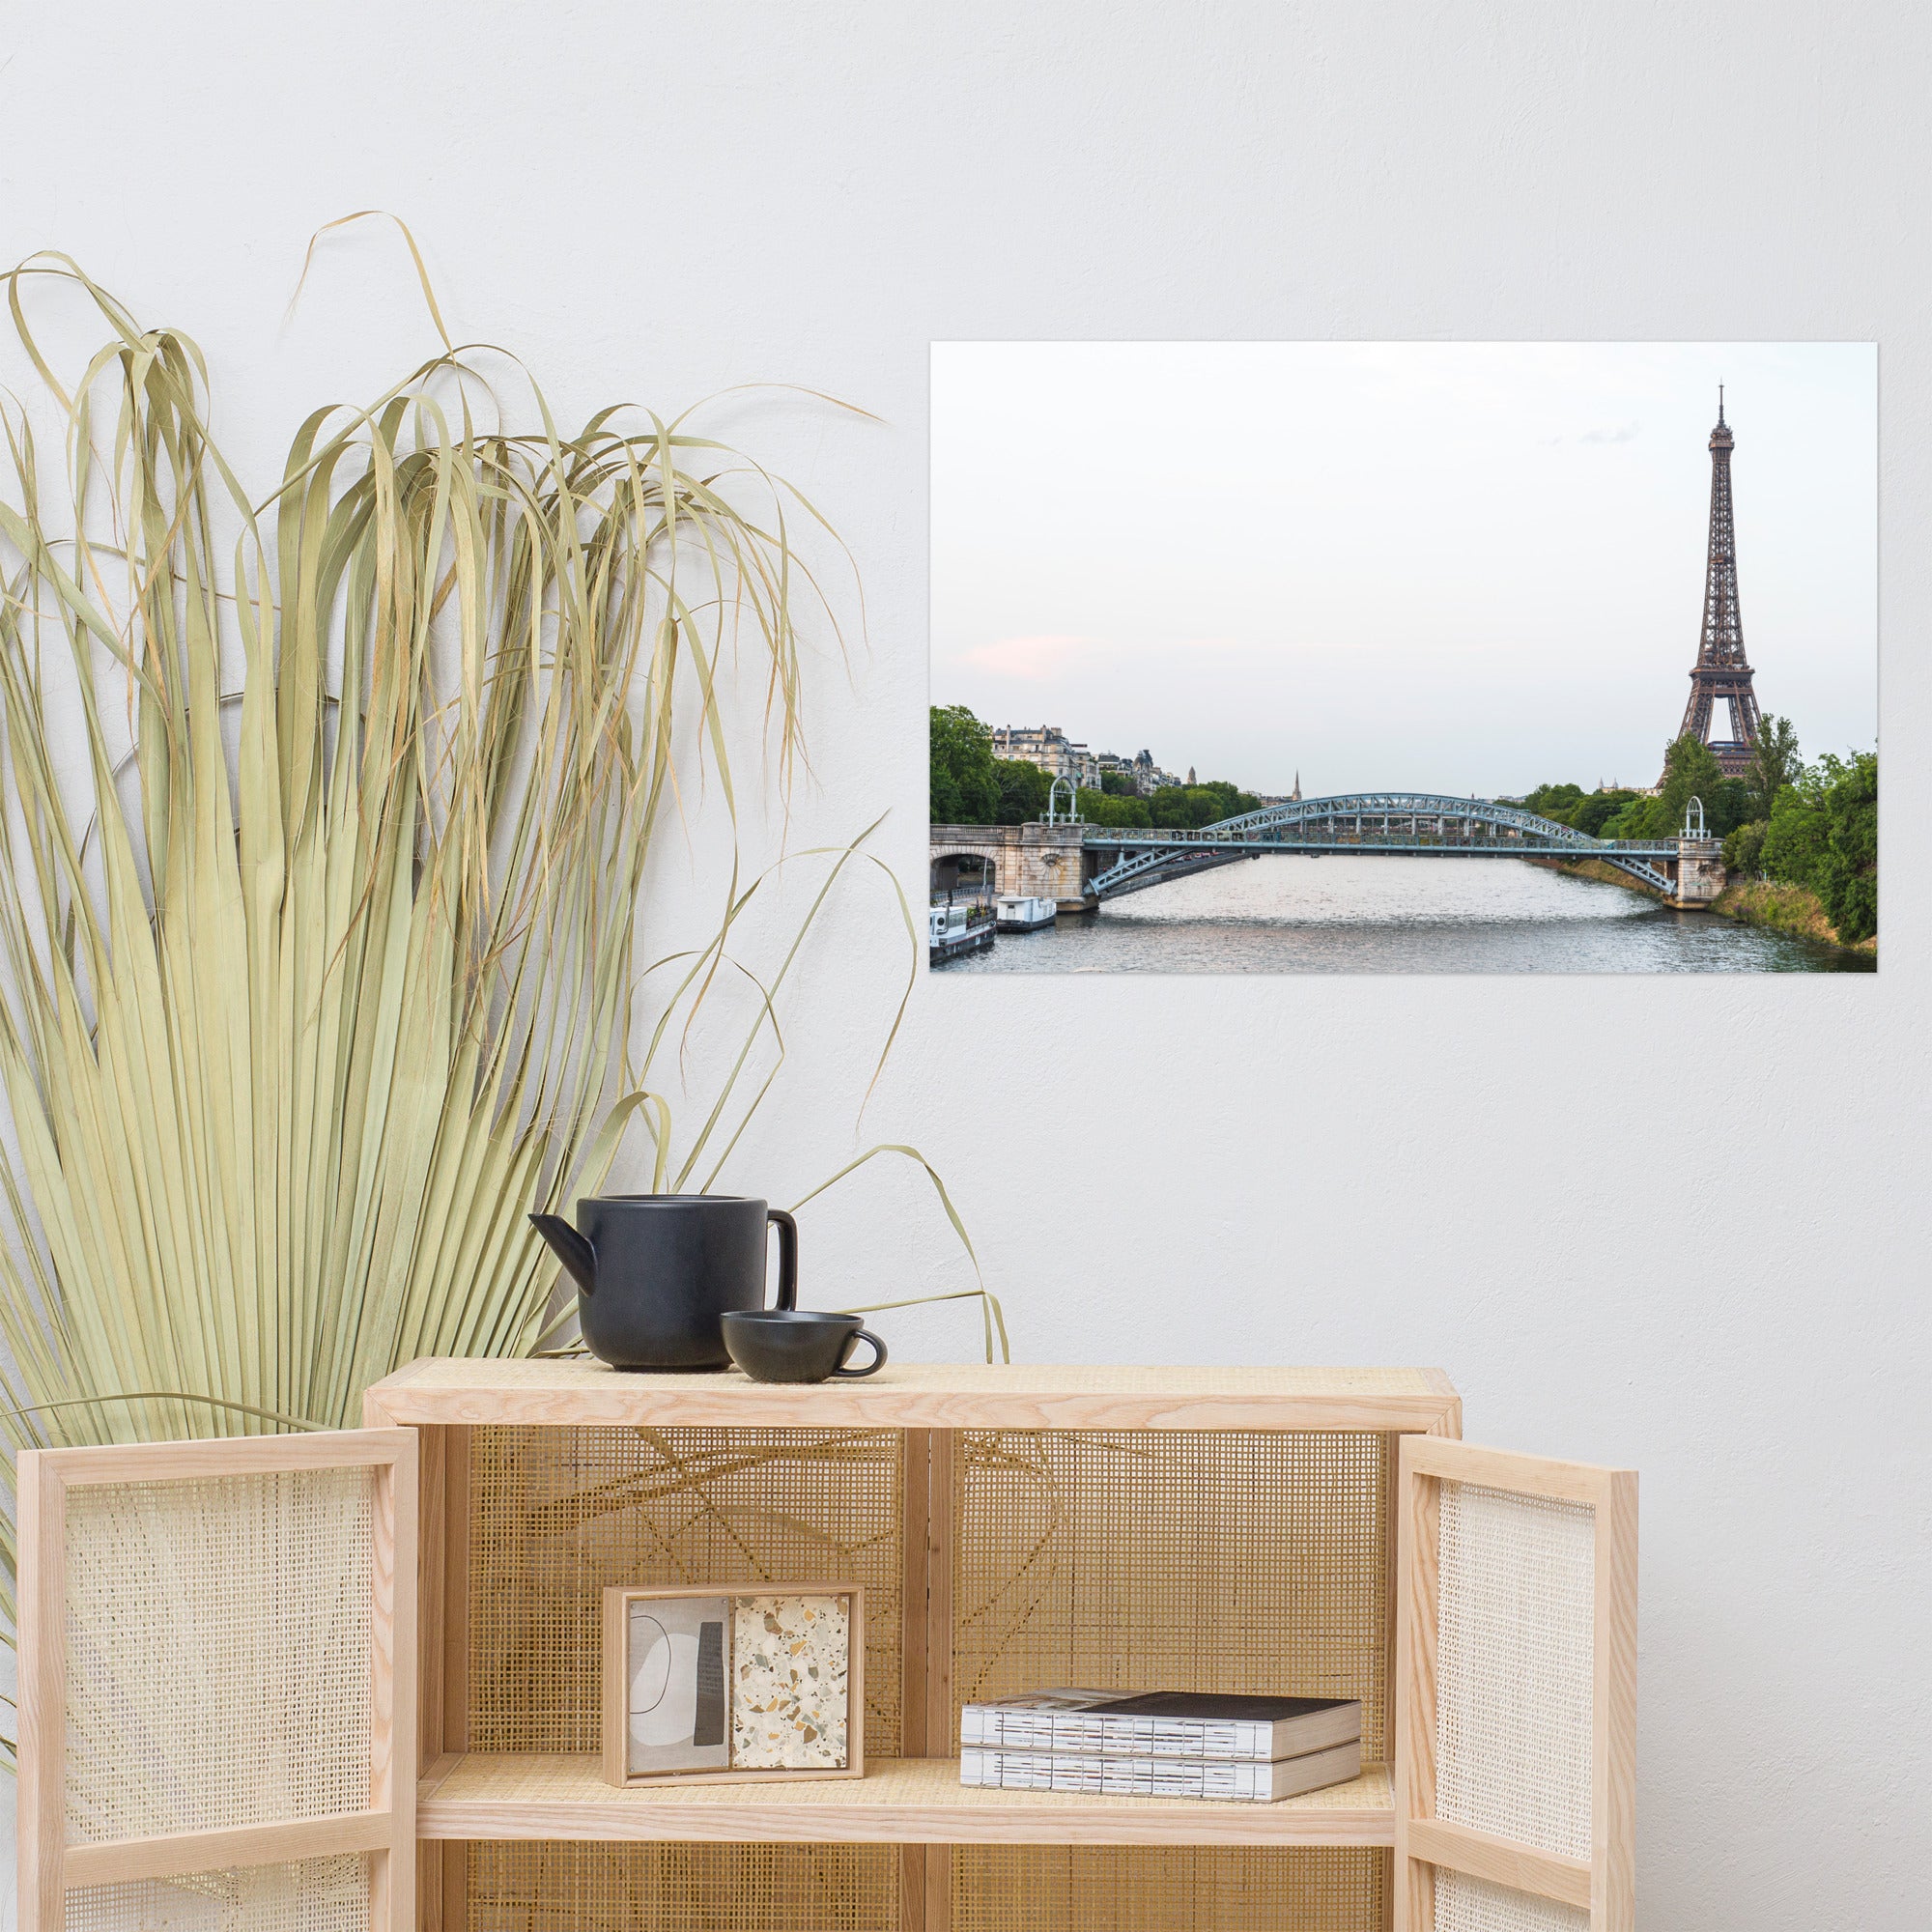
(1681, 1225)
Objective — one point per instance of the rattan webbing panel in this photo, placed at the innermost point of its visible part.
(217, 1653)
(1515, 1667)
(1464, 1904)
(1118, 1889)
(538, 1886)
(557, 1514)
(1248, 1560)
(313, 1895)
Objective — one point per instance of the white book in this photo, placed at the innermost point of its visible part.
(1162, 1723)
(1231, 1781)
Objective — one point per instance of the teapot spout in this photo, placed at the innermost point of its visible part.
(570, 1248)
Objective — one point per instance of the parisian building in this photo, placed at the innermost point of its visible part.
(1049, 747)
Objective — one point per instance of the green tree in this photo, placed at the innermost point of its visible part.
(1232, 801)
(1099, 808)
(1594, 812)
(1797, 833)
(1744, 848)
(1118, 785)
(1822, 835)
(1775, 764)
(1205, 802)
(1558, 802)
(1848, 876)
(1173, 807)
(962, 788)
(1183, 807)
(1731, 806)
(1690, 770)
(1023, 789)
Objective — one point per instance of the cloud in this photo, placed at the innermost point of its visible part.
(1034, 660)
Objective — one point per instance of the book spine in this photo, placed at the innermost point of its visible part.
(1114, 1777)
(1014, 1729)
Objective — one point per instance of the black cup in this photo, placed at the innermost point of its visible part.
(790, 1345)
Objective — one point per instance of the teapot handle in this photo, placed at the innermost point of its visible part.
(787, 1256)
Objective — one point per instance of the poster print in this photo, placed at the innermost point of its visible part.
(1405, 657)
(678, 1700)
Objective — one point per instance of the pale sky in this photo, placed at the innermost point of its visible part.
(1439, 566)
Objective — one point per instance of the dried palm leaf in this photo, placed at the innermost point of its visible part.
(319, 973)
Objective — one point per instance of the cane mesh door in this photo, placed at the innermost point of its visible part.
(217, 1710)
(1516, 1692)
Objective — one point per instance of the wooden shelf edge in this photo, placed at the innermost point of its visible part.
(900, 1802)
(912, 1399)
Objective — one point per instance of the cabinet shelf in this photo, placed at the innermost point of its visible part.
(898, 1802)
(583, 1393)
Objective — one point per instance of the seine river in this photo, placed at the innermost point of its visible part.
(1342, 915)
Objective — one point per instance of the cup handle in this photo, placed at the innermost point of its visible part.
(872, 1367)
(787, 1256)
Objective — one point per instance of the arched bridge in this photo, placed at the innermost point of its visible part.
(1129, 858)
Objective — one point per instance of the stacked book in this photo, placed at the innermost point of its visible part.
(1163, 1743)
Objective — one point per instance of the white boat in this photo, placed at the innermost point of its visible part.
(1015, 914)
(952, 929)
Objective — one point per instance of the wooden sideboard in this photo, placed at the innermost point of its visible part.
(1319, 1530)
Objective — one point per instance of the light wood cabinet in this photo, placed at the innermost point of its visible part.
(1323, 1531)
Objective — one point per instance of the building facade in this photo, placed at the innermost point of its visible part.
(1149, 778)
(1049, 747)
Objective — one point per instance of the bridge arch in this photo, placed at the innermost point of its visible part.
(1426, 824)
(1030, 861)
(964, 868)
(1370, 805)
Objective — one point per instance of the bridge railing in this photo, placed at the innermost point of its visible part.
(1325, 834)
(1315, 821)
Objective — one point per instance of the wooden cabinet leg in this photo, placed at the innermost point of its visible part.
(444, 1638)
(442, 1874)
(912, 1888)
(938, 1888)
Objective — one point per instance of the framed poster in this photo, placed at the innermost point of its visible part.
(763, 1684)
(1428, 657)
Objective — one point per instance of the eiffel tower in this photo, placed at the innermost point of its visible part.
(1722, 675)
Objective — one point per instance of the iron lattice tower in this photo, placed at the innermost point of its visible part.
(1722, 673)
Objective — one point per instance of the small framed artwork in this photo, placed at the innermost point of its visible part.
(751, 1685)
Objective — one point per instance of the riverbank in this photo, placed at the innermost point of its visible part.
(1762, 902)
(1783, 909)
(1603, 872)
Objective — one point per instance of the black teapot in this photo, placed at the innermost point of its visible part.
(655, 1272)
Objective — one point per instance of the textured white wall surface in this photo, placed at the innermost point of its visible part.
(1675, 1224)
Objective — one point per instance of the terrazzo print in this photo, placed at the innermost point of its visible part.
(789, 1685)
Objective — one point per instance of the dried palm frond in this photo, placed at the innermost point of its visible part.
(319, 971)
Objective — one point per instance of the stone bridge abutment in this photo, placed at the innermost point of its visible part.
(1047, 862)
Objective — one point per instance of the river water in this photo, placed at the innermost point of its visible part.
(1285, 914)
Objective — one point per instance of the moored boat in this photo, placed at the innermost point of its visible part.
(953, 929)
(1015, 913)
